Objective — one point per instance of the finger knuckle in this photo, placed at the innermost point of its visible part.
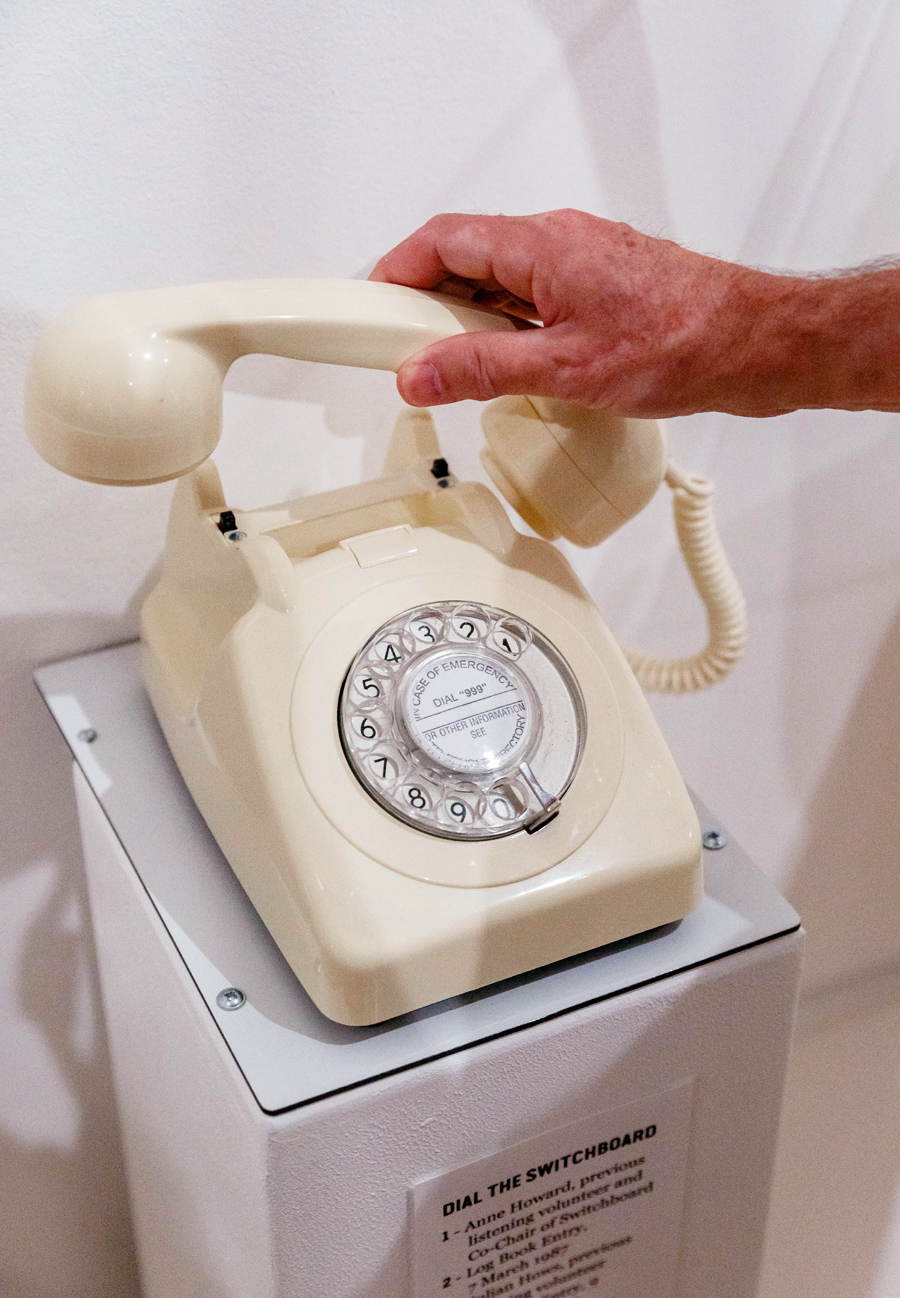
(482, 377)
(581, 374)
(570, 220)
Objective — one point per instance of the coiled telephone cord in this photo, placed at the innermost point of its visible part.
(716, 585)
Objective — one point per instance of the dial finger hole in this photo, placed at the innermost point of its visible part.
(459, 810)
(468, 625)
(385, 764)
(426, 629)
(418, 796)
(506, 801)
(501, 808)
(367, 685)
(389, 652)
(365, 727)
(510, 638)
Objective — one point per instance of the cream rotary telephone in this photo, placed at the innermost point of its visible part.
(421, 751)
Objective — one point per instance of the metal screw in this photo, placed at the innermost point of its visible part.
(714, 840)
(87, 736)
(236, 536)
(232, 998)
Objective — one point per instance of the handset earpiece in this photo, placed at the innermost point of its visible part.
(127, 388)
(570, 471)
(580, 474)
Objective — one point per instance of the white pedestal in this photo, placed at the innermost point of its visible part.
(271, 1153)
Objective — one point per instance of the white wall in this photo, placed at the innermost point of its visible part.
(146, 145)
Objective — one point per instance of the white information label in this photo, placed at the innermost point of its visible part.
(593, 1208)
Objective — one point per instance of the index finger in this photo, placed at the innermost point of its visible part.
(495, 252)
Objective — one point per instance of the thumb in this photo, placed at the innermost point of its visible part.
(479, 366)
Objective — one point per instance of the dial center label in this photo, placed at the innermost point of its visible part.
(469, 710)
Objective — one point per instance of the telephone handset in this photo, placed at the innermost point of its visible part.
(406, 724)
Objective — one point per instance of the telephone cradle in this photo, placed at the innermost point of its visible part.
(423, 754)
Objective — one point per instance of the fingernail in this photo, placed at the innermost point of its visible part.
(422, 384)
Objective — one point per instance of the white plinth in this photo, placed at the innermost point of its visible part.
(271, 1153)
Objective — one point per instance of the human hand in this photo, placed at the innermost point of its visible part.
(631, 324)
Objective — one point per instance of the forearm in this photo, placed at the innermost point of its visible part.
(789, 342)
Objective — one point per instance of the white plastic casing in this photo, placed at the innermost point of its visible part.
(246, 648)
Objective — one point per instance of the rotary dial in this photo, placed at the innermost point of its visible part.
(462, 720)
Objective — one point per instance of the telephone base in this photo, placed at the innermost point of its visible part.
(246, 648)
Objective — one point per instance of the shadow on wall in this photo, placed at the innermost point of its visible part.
(846, 884)
(824, 203)
(606, 50)
(63, 1201)
(840, 732)
(833, 1206)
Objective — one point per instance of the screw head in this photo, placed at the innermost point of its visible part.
(87, 736)
(231, 998)
(713, 840)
